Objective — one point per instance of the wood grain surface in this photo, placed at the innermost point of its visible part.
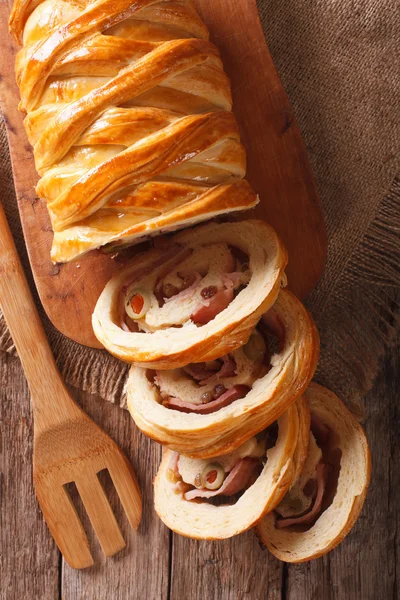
(278, 168)
(68, 445)
(158, 565)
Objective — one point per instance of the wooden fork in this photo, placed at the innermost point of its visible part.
(68, 445)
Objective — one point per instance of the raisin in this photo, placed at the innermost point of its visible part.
(218, 391)
(208, 292)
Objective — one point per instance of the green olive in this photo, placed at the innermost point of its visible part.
(137, 303)
(256, 347)
(212, 476)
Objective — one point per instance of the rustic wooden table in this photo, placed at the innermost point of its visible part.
(159, 565)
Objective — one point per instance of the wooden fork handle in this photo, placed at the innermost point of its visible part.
(26, 329)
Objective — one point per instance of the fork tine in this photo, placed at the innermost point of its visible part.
(125, 482)
(100, 514)
(65, 525)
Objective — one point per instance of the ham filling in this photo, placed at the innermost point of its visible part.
(234, 483)
(225, 476)
(202, 371)
(311, 515)
(212, 307)
(192, 287)
(236, 392)
(204, 388)
(213, 371)
(323, 482)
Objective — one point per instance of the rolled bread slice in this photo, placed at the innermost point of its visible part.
(263, 398)
(199, 297)
(184, 488)
(339, 465)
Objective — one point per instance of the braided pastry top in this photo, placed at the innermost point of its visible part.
(129, 113)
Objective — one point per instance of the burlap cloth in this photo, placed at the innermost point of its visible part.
(339, 63)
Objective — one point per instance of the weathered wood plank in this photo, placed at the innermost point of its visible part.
(235, 569)
(141, 569)
(29, 559)
(363, 567)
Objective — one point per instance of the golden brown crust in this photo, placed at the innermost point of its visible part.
(203, 436)
(338, 519)
(170, 348)
(129, 112)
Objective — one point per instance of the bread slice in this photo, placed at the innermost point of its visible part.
(175, 342)
(298, 544)
(201, 520)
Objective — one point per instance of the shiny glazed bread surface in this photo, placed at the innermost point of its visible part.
(129, 113)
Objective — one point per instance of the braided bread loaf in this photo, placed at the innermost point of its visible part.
(129, 113)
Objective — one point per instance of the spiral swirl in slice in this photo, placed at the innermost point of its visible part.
(194, 300)
(228, 494)
(328, 493)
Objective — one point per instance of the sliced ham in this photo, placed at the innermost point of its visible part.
(172, 256)
(228, 369)
(234, 483)
(309, 516)
(212, 307)
(198, 371)
(234, 393)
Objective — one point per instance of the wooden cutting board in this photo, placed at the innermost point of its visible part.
(278, 169)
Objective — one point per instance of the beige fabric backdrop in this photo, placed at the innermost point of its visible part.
(339, 63)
